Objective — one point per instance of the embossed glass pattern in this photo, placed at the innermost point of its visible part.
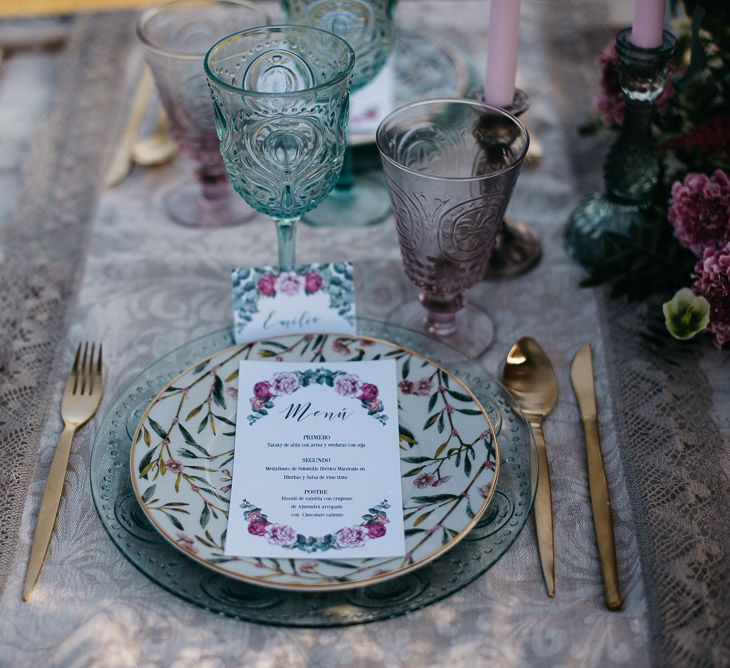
(176, 37)
(281, 97)
(450, 166)
(367, 25)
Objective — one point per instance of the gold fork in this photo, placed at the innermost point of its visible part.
(80, 400)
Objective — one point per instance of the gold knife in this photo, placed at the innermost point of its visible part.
(122, 161)
(581, 375)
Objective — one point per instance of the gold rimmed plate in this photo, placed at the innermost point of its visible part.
(182, 454)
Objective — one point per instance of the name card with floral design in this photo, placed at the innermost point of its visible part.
(307, 298)
(316, 468)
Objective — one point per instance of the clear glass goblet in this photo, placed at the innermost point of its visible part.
(176, 38)
(281, 98)
(367, 25)
(450, 166)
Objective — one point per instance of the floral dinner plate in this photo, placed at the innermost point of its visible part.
(182, 452)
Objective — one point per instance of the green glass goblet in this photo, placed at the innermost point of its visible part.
(281, 99)
(368, 27)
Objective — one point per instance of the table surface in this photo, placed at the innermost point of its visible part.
(120, 272)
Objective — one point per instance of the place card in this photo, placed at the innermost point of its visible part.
(307, 298)
(316, 469)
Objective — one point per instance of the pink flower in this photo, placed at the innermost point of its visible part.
(485, 435)
(340, 346)
(226, 488)
(610, 101)
(174, 466)
(281, 534)
(285, 383)
(368, 392)
(442, 481)
(257, 404)
(366, 342)
(186, 542)
(383, 519)
(424, 480)
(267, 285)
(423, 387)
(309, 567)
(700, 211)
(262, 389)
(351, 537)
(712, 281)
(406, 387)
(346, 385)
(375, 529)
(255, 516)
(258, 528)
(289, 283)
(232, 392)
(312, 282)
(374, 406)
(484, 491)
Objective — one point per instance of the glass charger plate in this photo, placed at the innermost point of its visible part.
(137, 539)
(425, 66)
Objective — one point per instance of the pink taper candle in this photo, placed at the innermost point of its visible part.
(504, 35)
(647, 32)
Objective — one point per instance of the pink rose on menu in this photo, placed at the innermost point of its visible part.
(267, 285)
(374, 406)
(312, 282)
(383, 519)
(255, 516)
(257, 404)
(375, 529)
(281, 534)
(351, 537)
(346, 385)
(258, 528)
(262, 389)
(424, 480)
(368, 392)
(285, 383)
(289, 283)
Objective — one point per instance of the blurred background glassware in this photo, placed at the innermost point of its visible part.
(281, 98)
(450, 166)
(368, 26)
(176, 37)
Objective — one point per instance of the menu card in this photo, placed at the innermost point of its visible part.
(274, 301)
(316, 470)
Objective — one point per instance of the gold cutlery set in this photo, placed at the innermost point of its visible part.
(527, 374)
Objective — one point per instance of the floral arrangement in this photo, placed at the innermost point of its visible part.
(372, 527)
(345, 384)
(682, 255)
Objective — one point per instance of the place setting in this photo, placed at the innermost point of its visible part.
(407, 403)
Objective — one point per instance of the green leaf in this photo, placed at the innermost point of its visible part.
(434, 498)
(146, 463)
(431, 420)
(204, 516)
(413, 472)
(415, 460)
(157, 428)
(232, 376)
(274, 344)
(440, 449)
(406, 368)
(218, 392)
(413, 532)
(422, 518)
(460, 396)
(194, 412)
(440, 425)
(406, 435)
(432, 401)
(146, 436)
(468, 411)
(175, 522)
(200, 367)
(148, 493)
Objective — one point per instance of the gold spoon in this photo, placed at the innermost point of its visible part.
(156, 149)
(529, 376)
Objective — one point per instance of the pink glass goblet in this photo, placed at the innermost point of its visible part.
(176, 37)
(450, 167)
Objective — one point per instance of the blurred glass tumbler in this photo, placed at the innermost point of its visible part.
(176, 38)
(450, 166)
(281, 98)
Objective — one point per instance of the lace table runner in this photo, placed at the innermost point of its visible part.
(79, 263)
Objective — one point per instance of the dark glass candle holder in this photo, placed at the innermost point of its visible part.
(632, 166)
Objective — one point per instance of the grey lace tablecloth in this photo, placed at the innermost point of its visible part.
(79, 262)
